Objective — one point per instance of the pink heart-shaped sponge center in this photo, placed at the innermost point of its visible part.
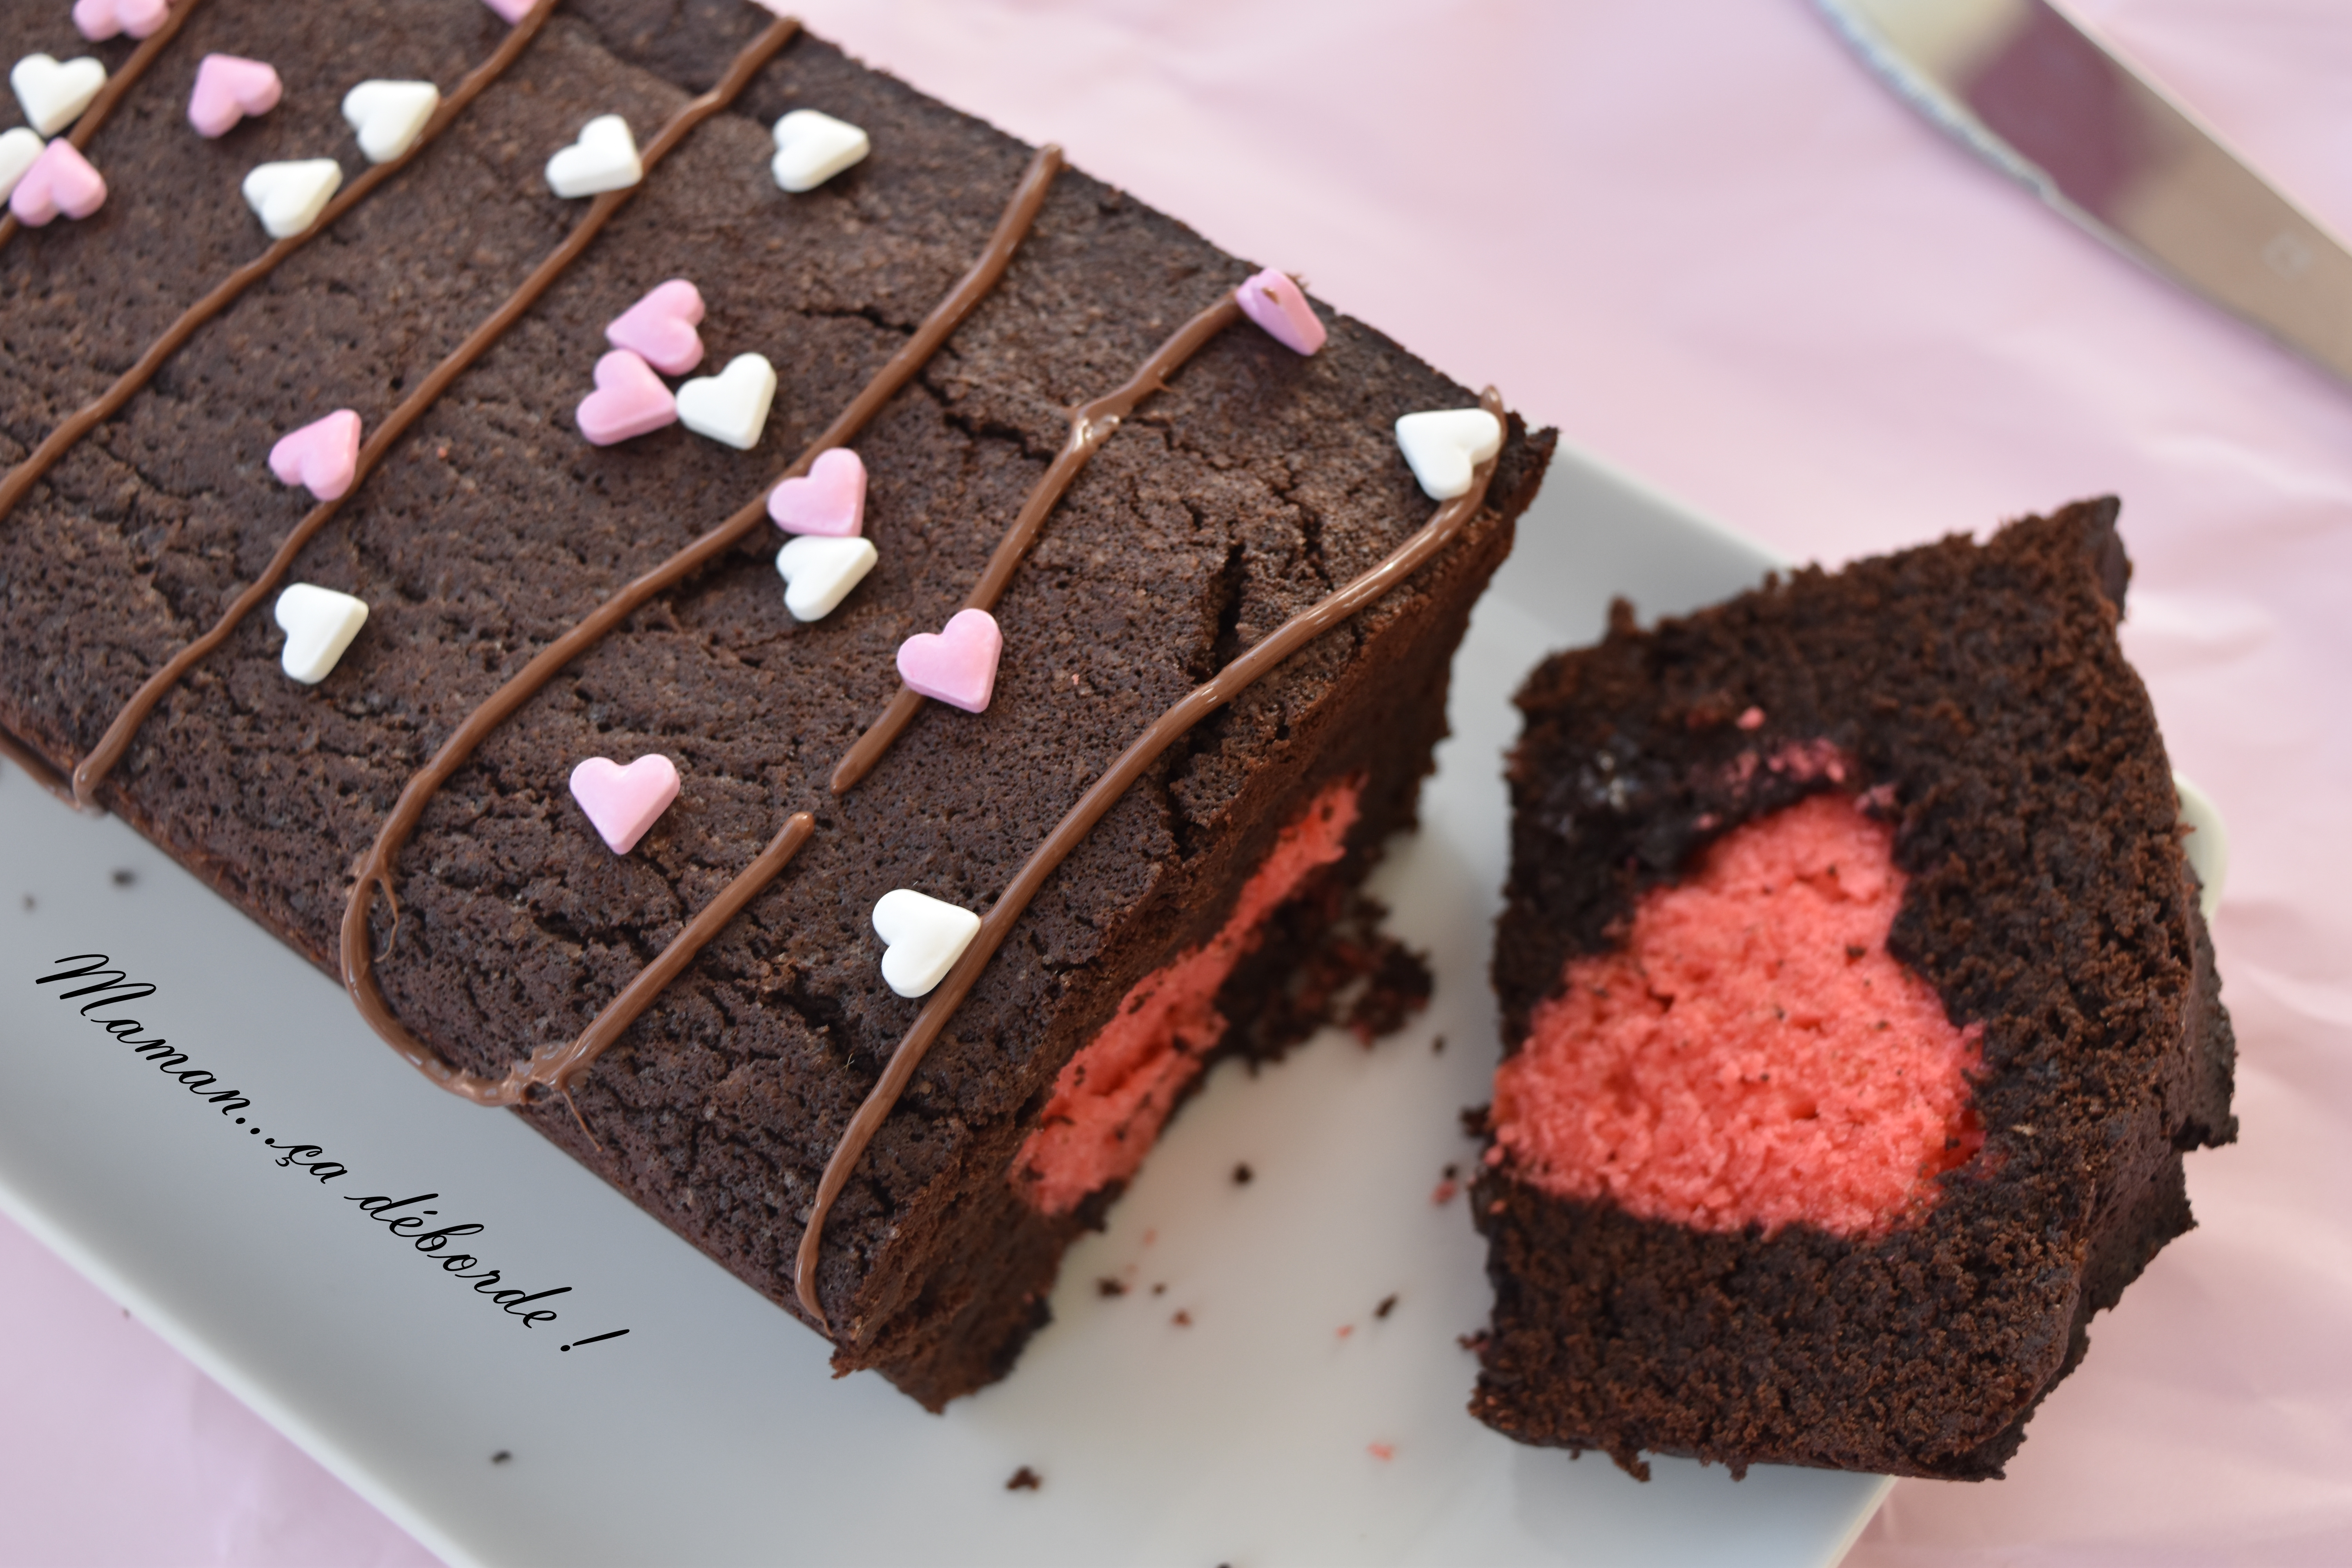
(59, 181)
(958, 665)
(321, 457)
(1753, 1054)
(1275, 303)
(629, 400)
(227, 89)
(660, 327)
(830, 501)
(622, 802)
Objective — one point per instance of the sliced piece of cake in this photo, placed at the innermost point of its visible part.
(1858, 1012)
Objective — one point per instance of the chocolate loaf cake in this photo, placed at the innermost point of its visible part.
(1226, 612)
(1858, 1011)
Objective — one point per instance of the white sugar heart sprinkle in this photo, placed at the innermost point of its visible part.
(1443, 446)
(18, 147)
(2208, 844)
(622, 802)
(54, 94)
(390, 115)
(731, 406)
(318, 624)
(922, 936)
(603, 158)
(819, 571)
(288, 198)
(812, 148)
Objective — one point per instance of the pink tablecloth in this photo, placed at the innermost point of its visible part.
(1701, 241)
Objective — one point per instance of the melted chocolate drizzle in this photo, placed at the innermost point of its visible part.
(375, 868)
(125, 728)
(120, 83)
(554, 1066)
(43, 458)
(1244, 671)
(1091, 425)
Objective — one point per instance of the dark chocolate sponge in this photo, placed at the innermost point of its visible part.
(1981, 687)
(1256, 482)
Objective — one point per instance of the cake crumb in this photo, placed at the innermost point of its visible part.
(1025, 1479)
(1473, 1343)
(1751, 719)
(501, 1457)
(1107, 1286)
(1437, 1046)
(1182, 1320)
(124, 876)
(1244, 1175)
(1382, 1451)
(1346, 1328)
(1160, 1287)
(1444, 1192)
(1388, 1305)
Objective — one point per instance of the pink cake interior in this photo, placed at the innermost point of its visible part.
(1752, 1054)
(1112, 1097)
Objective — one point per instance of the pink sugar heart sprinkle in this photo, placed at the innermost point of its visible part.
(660, 327)
(323, 457)
(513, 10)
(830, 501)
(629, 400)
(957, 666)
(622, 802)
(59, 181)
(228, 88)
(1274, 302)
(98, 19)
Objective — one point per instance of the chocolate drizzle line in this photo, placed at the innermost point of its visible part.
(125, 728)
(1294, 634)
(555, 1066)
(120, 83)
(25, 475)
(1091, 425)
(375, 868)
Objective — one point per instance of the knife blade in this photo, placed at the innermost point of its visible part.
(2029, 90)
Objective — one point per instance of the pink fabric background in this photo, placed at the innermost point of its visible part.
(1696, 237)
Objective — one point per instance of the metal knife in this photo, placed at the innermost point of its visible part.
(2046, 103)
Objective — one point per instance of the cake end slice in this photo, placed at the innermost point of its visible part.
(1858, 1012)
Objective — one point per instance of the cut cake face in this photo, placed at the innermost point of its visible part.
(432, 392)
(1858, 1011)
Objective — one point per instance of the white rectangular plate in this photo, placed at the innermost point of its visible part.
(1284, 1423)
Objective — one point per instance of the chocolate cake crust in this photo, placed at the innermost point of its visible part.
(1244, 492)
(1980, 691)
